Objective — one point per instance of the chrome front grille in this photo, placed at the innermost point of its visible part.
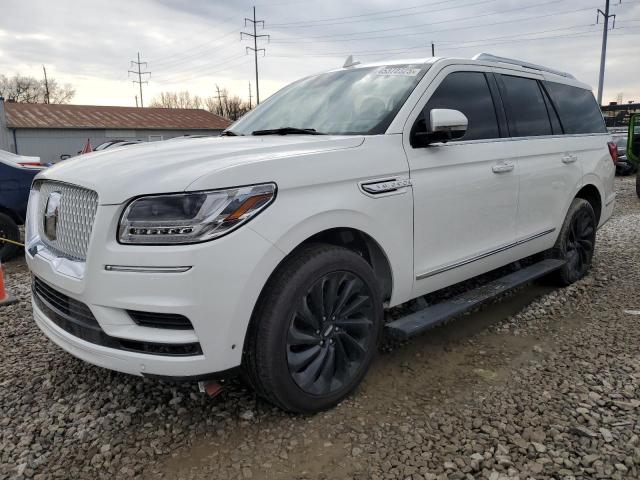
(75, 218)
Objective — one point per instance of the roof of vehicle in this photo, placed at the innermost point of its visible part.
(487, 60)
(40, 115)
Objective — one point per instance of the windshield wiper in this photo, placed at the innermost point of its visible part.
(228, 133)
(287, 131)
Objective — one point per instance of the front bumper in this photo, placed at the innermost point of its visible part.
(217, 294)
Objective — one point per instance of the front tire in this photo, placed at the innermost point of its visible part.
(576, 243)
(315, 329)
(10, 231)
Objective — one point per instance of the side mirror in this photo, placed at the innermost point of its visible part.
(633, 139)
(444, 125)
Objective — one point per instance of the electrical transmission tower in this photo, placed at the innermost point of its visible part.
(140, 73)
(255, 48)
(249, 95)
(603, 55)
(219, 98)
(46, 86)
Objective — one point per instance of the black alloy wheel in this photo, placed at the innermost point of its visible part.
(330, 333)
(576, 243)
(315, 329)
(581, 241)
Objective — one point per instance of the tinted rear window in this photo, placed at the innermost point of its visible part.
(577, 107)
(527, 112)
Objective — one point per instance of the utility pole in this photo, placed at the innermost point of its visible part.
(255, 48)
(433, 49)
(136, 101)
(140, 73)
(219, 98)
(46, 85)
(603, 55)
(249, 95)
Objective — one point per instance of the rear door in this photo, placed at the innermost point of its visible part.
(550, 172)
(586, 137)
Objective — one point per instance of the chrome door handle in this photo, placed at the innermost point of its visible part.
(503, 167)
(569, 158)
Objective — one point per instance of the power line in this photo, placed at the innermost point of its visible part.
(465, 44)
(468, 27)
(255, 48)
(202, 66)
(381, 12)
(196, 35)
(313, 39)
(140, 74)
(172, 60)
(203, 71)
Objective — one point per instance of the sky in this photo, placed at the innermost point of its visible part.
(195, 45)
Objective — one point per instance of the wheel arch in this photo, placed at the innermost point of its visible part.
(351, 238)
(364, 245)
(591, 194)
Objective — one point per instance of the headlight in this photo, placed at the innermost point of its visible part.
(192, 217)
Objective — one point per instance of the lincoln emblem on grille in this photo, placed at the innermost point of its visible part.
(51, 213)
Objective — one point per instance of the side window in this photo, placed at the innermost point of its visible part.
(553, 114)
(577, 107)
(469, 93)
(527, 112)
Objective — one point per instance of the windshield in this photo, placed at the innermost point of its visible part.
(356, 101)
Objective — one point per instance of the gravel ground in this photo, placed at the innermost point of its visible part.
(543, 384)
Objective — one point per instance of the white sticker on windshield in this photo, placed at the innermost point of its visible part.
(399, 71)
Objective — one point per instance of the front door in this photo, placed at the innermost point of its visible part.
(465, 191)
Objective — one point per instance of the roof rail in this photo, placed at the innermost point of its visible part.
(487, 57)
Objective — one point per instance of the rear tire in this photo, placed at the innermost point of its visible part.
(10, 231)
(576, 243)
(315, 329)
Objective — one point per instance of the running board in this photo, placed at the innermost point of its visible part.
(433, 315)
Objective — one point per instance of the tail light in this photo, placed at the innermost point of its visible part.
(30, 164)
(613, 151)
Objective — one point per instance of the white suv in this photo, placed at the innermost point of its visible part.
(274, 249)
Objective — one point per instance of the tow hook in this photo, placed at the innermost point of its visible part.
(211, 388)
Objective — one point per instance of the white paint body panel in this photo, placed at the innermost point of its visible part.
(457, 207)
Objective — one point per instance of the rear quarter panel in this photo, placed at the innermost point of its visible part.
(599, 170)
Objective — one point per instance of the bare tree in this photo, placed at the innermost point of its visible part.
(20, 88)
(225, 105)
(235, 107)
(177, 100)
(60, 94)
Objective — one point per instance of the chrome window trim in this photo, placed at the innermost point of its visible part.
(515, 139)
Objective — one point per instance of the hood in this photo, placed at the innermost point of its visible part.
(161, 167)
